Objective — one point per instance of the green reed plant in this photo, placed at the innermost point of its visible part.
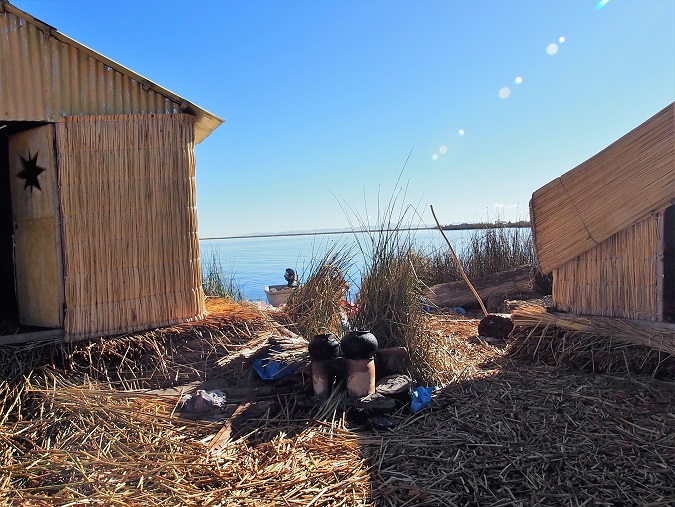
(217, 282)
(489, 250)
(498, 249)
(439, 266)
(391, 293)
(390, 298)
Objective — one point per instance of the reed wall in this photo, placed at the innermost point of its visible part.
(128, 198)
(617, 278)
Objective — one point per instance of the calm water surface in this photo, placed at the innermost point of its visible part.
(256, 262)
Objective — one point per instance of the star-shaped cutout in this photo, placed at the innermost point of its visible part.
(30, 172)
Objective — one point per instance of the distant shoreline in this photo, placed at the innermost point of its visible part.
(451, 227)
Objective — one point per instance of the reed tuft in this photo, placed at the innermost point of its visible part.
(218, 283)
(316, 305)
(390, 299)
(488, 251)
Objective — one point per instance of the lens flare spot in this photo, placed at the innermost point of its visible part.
(443, 149)
(461, 132)
(601, 4)
(434, 156)
(518, 80)
(504, 92)
(562, 39)
(552, 48)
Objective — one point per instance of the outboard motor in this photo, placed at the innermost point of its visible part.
(289, 276)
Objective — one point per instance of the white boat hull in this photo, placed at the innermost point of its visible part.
(277, 295)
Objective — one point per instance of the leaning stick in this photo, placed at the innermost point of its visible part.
(459, 264)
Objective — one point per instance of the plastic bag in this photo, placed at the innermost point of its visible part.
(269, 369)
(420, 398)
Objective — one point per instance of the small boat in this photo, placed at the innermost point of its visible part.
(277, 295)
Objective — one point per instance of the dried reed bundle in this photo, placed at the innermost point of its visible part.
(652, 335)
(594, 343)
(316, 305)
(450, 350)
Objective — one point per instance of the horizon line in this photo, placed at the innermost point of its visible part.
(450, 227)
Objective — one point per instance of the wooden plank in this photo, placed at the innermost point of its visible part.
(52, 334)
(177, 391)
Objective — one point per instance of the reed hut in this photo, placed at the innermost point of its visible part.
(606, 229)
(98, 222)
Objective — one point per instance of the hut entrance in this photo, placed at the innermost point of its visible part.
(8, 309)
(31, 287)
(669, 265)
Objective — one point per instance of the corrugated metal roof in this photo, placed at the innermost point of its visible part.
(616, 188)
(45, 75)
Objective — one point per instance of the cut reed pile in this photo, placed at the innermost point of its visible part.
(75, 438)
(176, 354)
(532, 436)
(315, 307)
(498, 432)
(91, 445)
(450, 351)
(595, 344)
(152, 359)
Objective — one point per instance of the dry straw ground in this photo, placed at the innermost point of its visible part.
(79, 427)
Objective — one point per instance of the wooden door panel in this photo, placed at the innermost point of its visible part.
(37, 251)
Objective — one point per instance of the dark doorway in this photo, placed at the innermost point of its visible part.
(8, 306)
(669, 265)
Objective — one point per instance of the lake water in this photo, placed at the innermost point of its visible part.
(256, 262)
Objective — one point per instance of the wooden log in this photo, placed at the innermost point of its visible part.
(495, 326)
(493, 289)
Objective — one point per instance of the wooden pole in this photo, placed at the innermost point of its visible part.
(459, 264)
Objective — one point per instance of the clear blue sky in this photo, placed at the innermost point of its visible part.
(324, 100)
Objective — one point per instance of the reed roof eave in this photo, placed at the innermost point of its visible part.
(621, 185)
(205, 121)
